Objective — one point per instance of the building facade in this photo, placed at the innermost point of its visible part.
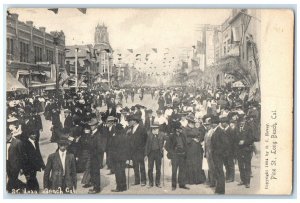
(32, 53)
(237, 48)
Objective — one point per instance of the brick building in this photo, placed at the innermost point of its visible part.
(31, 53)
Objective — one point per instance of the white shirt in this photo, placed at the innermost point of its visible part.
(184, 123)
(134, 128)
(32, 142)
(168, 112)
(62, 156)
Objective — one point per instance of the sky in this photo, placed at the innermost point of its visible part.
(137, 29)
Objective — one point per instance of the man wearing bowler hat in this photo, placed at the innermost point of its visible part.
(244, 147)
(111, 124)
(32, 160)
(119, 154)
(95, 159)
(138, 138)
(154, 152)
(176, 147)
(68, 123)
(60, 172)
(210, 124)
(220, 151)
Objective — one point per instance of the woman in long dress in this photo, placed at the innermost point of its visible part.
(84, 157)
(194, 156)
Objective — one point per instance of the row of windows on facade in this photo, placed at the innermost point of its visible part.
(38, 53)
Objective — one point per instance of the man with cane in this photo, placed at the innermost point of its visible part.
(154, 152)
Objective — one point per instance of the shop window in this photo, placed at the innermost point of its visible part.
(24, 52)
(10, 46)
(37, 54)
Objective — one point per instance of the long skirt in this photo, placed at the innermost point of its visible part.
(194, 172)
(86, 179)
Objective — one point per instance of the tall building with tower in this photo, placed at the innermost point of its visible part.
(102, 49)
(93, 59)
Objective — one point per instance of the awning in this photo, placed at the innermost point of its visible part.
(12, 84)
(23, 72)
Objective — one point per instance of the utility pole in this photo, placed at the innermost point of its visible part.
(56, 43)
(76, 76)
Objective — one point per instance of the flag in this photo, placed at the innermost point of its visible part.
(107, 50)
(55, 10)
(82, 10)
(155, 50)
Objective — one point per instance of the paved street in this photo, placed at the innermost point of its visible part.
(108, 181)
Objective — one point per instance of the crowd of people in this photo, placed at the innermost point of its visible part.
(218, 125)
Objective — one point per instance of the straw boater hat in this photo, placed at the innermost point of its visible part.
(67, 111)
(110, 118)
(12, 119)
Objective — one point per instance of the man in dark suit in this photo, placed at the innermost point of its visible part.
(36, 123)
(56, 123)
(176, 147)
(119, 155)
(103, 130)
(111, 110)
(14, 161)
(220, 152)
(138, 138)
(32, 160)
(110, 122)
(244, 145)
(231, 132)
(149, 118)
(68, 123)
(61, 165)
(154, 152)
(95, 159)
(161, 102)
